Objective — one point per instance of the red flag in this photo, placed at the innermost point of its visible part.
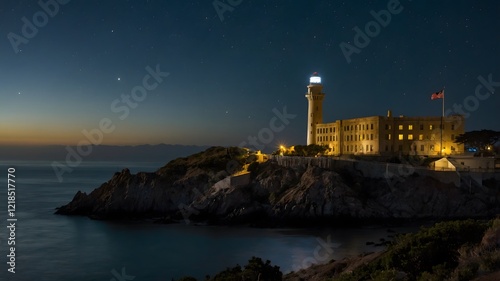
(437, 95)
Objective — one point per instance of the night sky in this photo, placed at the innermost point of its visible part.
(227, 71)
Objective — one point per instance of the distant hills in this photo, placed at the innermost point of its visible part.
(139, 153)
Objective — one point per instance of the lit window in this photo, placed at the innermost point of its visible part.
(400, 136)
(400, 127)
(410, 137)
(431, 127)
(410, 127)
(389, 136)
(420, 137)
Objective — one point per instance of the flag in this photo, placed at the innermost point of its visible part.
(437, 95)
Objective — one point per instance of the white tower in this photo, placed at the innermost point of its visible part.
(315, 112)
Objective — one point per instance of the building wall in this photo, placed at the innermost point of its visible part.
(378, 135)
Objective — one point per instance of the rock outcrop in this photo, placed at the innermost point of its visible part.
(187, 189)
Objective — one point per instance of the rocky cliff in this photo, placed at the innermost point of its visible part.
(186, 189)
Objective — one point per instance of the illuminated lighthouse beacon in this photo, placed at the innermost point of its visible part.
(315, 97)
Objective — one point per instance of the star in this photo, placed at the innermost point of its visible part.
(119, 78)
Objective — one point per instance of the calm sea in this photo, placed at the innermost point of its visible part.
(53, 247)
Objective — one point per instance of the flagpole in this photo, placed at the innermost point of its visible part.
(442, 117)
(443, 102)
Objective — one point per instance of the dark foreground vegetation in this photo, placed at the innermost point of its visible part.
(455, 250)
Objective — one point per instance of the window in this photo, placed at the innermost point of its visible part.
(400, 127)
(371, 126)
(431, 127)
(421, 126)
(410, 127)
(410, 137)
(371, 136)
(371, 147)
(347, 148)
(452, 137)
(453, 126)
(388, 136)
(331, 130)
(420, 137)
(421, 147)
(355, 148)
(366, 148)
(431, 147)
(331, 138)
(400, 137)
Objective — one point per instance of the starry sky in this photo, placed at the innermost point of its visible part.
(233, 64)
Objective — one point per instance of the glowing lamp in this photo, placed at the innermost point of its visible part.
(315, 80)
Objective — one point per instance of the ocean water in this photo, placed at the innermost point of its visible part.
(54, 247)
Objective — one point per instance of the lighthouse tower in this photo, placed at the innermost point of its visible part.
(315, 112)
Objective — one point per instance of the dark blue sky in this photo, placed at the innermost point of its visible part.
(226, 76)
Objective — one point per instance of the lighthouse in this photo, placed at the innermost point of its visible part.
(314, 97)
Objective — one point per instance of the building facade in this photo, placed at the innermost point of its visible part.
(381, 135)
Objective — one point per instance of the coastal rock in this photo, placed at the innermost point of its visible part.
(197, 188)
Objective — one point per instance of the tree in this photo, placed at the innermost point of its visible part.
(482, 140)
(309, 150)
